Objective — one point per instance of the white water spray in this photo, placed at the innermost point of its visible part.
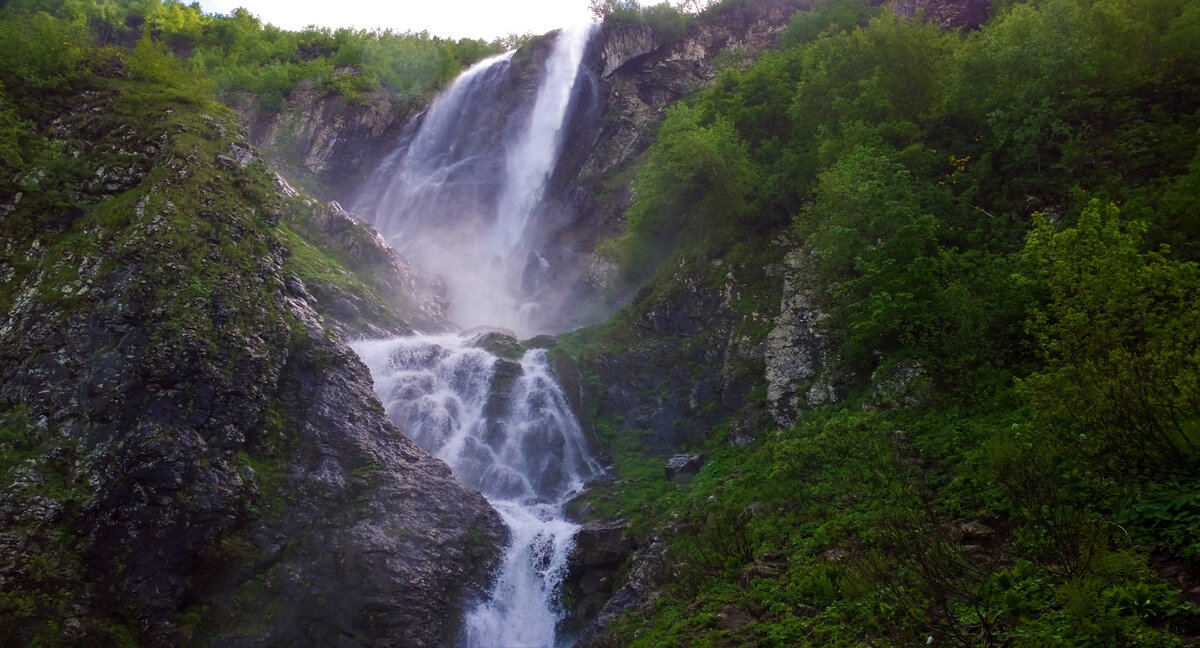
(457, 200)
(531, 161)
(506, 428)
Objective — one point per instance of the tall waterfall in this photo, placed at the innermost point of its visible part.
(461, 199)
(457, 197)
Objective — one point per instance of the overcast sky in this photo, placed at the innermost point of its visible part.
(485, 19)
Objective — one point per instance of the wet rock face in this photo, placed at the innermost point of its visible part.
(188, 450)
(647, 571)
(401, 288)
(637, 75)
(690, 361)
(683, 467)
(948, 14)
(374, 538)
(325, 139)
(601, 549)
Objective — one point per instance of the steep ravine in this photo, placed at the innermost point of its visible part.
(461, 195)
(197, 456)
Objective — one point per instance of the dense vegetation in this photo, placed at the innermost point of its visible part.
(1011, 216)
(239, 55)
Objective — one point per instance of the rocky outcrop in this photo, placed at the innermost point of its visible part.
(625, 44)
(396, 298)
(690, 359)
(601, 549)
(948, 14)
(366, 534)
(323, 141)
(647, 571)
(795, 349)
(189, 453)
(639, 74)
(646, 74)
(682, 468)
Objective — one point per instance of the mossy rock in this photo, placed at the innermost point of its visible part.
(499, 343)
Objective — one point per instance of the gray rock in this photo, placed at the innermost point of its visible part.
(200, 438)
(975, 531)
(647, 569)
(948, 14)
(602, 545)
(734, 617)
(682, 468)
(904, 384)
(796, 351)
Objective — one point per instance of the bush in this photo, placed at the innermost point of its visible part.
(1119, 334)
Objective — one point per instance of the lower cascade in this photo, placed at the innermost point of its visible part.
(504, 426)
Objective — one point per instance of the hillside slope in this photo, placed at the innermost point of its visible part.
(912, 353)
(190, 454)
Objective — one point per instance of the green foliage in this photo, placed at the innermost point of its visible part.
(908, 162)
(1119, 336)
(828, 15)
(150, 61)
(1168, 513)
(19, 145)
(890, 280)
(838, 532)
(41, 54)
(667, 21)
(1078, 94)
(905, 160)
(890, 75)
(239, 53)
(693, 188)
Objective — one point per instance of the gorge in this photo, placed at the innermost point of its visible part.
(776, 323)
(461, 196)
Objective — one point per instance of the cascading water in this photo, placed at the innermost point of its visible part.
(506, 428)
(457, 199)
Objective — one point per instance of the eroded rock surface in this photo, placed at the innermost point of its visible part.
(191, 453)
(795, 349)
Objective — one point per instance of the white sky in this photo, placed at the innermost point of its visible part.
(485, 19)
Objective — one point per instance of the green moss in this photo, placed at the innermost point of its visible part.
(41, 468)
(315, 265)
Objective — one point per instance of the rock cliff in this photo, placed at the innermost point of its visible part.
(191, 455)
(324, 142)
(639, 74)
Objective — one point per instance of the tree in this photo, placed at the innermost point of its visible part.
(695, 188)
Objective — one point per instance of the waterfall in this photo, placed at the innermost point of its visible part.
(505, 427)
(459, 195)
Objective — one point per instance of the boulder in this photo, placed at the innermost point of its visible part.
(683, 467)
(601, 549)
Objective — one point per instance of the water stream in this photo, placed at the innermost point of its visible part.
(504, 427)
(457, 197)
